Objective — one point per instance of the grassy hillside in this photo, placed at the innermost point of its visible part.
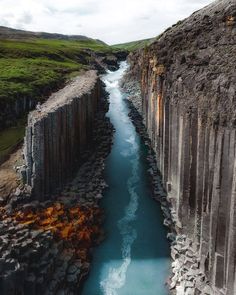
(30, 68)
(131, 46)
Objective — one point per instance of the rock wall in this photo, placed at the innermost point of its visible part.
(14, 108)
(12, 111)
(187, 79)
(46, 246)
(58, 132)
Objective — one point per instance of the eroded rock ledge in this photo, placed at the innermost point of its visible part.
(187, 79)
(46, 246)
(58, 133)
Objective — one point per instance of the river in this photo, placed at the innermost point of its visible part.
(134, 259)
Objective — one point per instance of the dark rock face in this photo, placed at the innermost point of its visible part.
(43, 251)
(187, 79)
(46, 246)
(101, 62)
(58, 133)
(13, 109)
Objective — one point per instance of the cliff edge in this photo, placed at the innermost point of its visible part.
(187, 79)
(58, 132)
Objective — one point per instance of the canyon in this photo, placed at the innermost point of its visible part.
(85, 168)
(186, 80)
(46, 236)
(129, 260)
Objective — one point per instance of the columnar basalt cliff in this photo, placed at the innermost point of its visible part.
(187, 79)
(58, 133)
(46, 246)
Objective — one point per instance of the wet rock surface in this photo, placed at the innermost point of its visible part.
(187, 277)
(187, 84)
(46, 247)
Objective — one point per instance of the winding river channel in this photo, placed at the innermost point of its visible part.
(134, 259)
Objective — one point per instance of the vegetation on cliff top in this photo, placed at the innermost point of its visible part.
(30, 68)
(34, 67)
(131, 46)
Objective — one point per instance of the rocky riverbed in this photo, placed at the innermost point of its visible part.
(46, 246)
(186, 276)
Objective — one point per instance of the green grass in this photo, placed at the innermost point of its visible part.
(11, 137)
(132, 46)
(56, 49)
(32, 68)
(31, 78)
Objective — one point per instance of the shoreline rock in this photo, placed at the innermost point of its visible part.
(186, 276)
(39, 251)
(188, 98)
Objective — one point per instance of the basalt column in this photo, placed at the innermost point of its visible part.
(58, 132)
(187, 80)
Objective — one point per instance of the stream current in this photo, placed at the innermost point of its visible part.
(134, 259)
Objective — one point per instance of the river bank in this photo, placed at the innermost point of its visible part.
(46, 246)
(188, 92)
(134, 257)
(64, 233)
(186, 277)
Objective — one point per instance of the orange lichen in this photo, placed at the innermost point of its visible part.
(77, 225)
(230, 20)
(159, 113)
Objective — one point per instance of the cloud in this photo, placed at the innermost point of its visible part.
(84, 9)
(22, 21)
(113, 21)
(26, 18)
(5, 22)
(51, 10)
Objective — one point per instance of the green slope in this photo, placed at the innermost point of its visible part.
(131, 46)
(33, 68)
(30, 68)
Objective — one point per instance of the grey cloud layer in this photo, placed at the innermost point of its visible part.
(113, 21)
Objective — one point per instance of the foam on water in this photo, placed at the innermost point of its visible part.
(134, 258)
(117, 276)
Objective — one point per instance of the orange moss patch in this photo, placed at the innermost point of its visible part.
(79, 226)
(75, 223)
(230, 20)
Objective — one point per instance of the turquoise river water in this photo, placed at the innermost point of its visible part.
(134, 259)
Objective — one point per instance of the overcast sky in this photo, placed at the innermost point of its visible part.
(113, 21)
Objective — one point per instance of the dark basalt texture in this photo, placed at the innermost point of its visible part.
(188, 88)
(46, 246)
(58, 133)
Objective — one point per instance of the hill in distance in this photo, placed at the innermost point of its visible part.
(134, 45)
(33, 65)
(9, 33)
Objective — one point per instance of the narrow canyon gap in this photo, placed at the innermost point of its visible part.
(134, 258)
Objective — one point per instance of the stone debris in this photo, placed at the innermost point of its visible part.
(58, 135)
(46, 247)
(186, 276)
(187, 80)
